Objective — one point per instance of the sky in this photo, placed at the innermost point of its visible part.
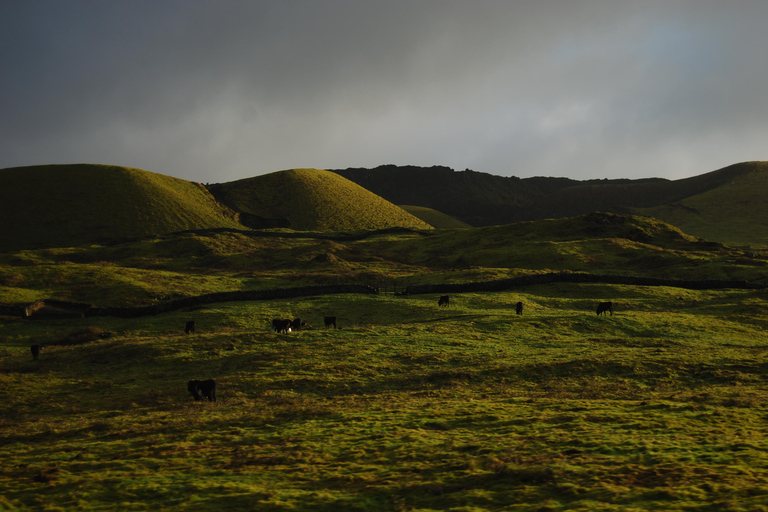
(216, 91)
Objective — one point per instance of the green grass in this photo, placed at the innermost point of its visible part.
(408, 406)
(726, 205)
(313, 199)
(733, 213)
(435, 218)
(77, 204)
(152, 270)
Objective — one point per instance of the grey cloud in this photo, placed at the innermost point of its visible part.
(216, 91)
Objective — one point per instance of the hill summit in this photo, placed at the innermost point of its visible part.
(310, 199)
(55, 205)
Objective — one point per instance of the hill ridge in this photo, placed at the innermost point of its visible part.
(483, 199)
(67, 204)
(310, 199)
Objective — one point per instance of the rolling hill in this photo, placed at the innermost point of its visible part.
(83, 203)
(56, 205)
(435, 218)
(735, 212)
(310, 199)
(63, 205)
(723, 205)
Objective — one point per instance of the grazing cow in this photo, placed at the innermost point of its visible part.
(603, 307)
(281, 325)
(297, 323)
(202, 388)
(519, 308)
(190, 327)
(330, 321)
(36, 351)
(444, 300)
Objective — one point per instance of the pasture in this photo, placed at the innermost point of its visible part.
(407, 406)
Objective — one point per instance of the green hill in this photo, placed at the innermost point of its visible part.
(57, 205)
(310, 199)
(723, 205)
(597, 242)
(435, 218)
(735, 212)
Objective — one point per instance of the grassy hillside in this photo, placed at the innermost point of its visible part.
(598, 243)
(75, 204)
(153, 270)
(312, 199)
(435, 218)
(408, 406)
(694, 204)
(735, 212)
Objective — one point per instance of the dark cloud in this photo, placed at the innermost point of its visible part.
(217, 91)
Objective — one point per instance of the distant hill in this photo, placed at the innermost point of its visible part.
(481, 199)
(435, 218)
(54, 205)
(735, 212)
(310, 199)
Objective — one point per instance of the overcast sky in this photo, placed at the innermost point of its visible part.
(215, 91)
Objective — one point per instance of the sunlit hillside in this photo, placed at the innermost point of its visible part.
(311, 199)
(735, 212)
(75, 204)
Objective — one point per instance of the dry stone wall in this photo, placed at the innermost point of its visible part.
(572, 277)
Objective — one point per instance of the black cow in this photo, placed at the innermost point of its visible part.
(190, 327)
(281, 325)
(603, 307)
(202, 388)
(444, 300)
(519, 308)
(296, 324)
(330, 321)
(35, 349)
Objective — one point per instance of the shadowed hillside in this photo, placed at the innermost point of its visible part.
(310, 199)
(726, 197)
(76, 204)
(435, 218)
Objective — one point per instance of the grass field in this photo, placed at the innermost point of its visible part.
(407, 406)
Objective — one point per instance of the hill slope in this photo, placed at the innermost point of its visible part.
(310, 199)
(75, 204)
(435, 218)
(735, 212)
(482, 199)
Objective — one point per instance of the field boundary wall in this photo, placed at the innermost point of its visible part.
(57, 308)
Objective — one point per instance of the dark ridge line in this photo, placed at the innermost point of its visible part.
(572, 277)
